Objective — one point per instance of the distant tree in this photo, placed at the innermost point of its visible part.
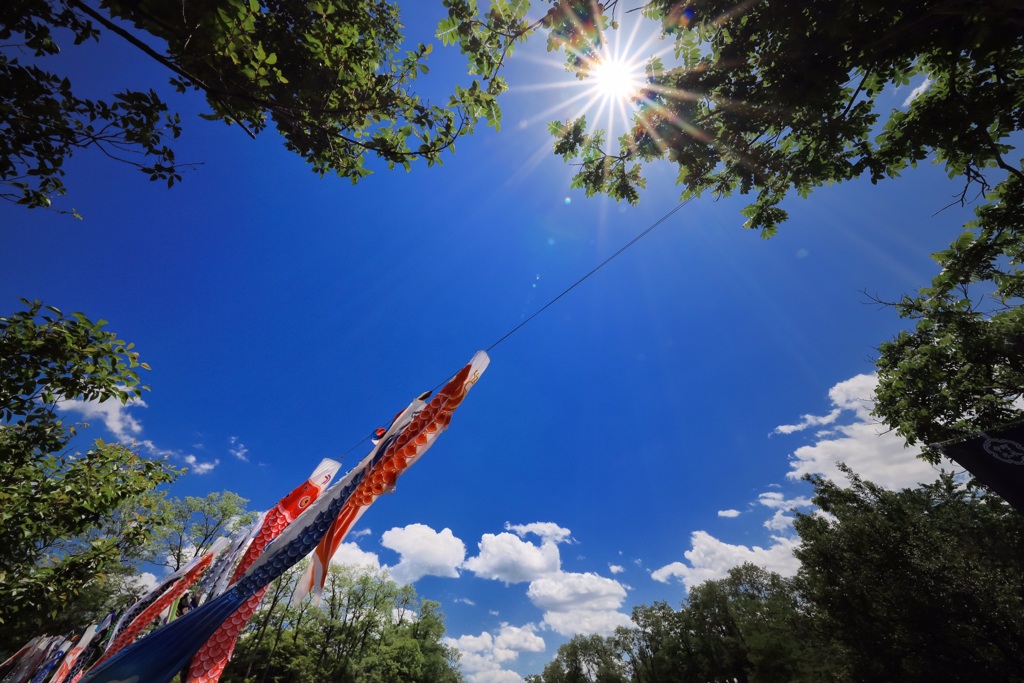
(368, 630)
(67, 519)
(585, 659)
(921, 584)
(194, 524)
(333, 76)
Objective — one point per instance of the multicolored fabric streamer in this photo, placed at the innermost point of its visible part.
(128, 636)
(56, 652)
(215, 581)
(72, 656)
(208, 664)
(157, 658)
(390, 461)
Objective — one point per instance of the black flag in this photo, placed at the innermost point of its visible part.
(995, 458)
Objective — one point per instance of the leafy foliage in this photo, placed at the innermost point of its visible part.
(331, 76)
(961, 369)
(66, 518)
(368, 629)
(916, 585)
(194, 524)
(784, 96)
(43, 123)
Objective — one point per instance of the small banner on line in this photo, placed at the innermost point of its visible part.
(995, 458)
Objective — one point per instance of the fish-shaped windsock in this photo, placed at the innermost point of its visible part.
(390, 460)
(157, 658)
(72, 656)
(215, 580)
(128, 636)
(208, 664)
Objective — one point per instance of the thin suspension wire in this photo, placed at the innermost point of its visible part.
(596, 268)
(568, 289)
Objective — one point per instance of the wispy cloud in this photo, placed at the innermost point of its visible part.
(917, 92)
(199, 467)
(127, 429)
(238, 449)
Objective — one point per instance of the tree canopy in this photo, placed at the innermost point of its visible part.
(332, 76)
(367, 629)
(66, 517)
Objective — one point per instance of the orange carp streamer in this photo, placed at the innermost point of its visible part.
(208, 664)
(428, 421)
(128, 636)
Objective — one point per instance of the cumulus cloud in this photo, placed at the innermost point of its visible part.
(506, 557)
(710, 558)
(579, 603)
(485, 656)
(424, 552)
(350, 554)
(865, 446)
(851, 437)
(616, 568)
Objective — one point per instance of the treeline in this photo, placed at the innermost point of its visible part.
(923, 584)
(367, 629)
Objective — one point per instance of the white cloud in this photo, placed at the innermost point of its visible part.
(111, 412)
(350, 554)
(728, 513)
(199, 467)
(548, 531)
(917, 92)
(616, 568)
(238, 449)
(579, 603)
(776, 501)
(485, 656)
(126, 428)
(873, 453)
(423, 552)
(569, 590)
(144, 582)
(780, 521)
(808, 421)
(465, 601)
(710, 558)
(506, 557)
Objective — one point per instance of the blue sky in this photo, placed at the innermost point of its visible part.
(644, 433)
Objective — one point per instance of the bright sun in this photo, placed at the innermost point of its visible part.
(616, 80)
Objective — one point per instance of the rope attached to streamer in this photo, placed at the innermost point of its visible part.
(646, 231)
